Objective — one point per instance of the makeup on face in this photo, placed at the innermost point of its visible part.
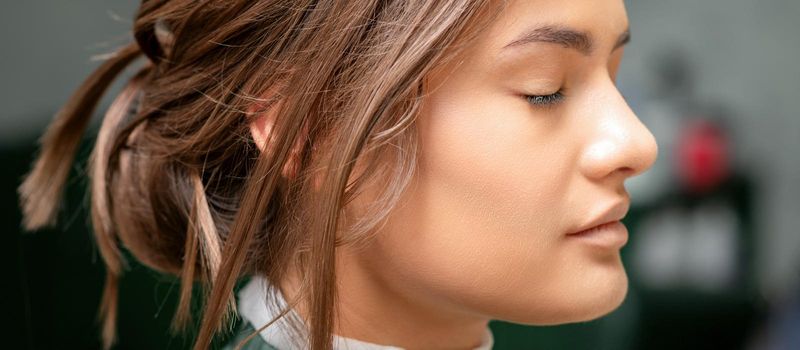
(524, 147)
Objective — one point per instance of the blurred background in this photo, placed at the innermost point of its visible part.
(714, 252)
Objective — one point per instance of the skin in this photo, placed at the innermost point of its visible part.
(482, 232)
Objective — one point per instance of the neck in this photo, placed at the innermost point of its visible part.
(374, 311)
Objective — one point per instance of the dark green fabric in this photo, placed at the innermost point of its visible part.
(255, 343)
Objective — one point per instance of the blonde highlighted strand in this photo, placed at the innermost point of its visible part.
(40, 192)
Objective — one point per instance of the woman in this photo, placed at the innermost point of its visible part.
(389, 173)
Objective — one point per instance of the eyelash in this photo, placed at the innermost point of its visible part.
(545, 100)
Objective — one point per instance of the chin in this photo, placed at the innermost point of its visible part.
(604, 298)
(603, 302)
(597, 294)
(579, 302)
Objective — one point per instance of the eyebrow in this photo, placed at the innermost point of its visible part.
(567, 37)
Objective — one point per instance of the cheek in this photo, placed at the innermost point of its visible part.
(481, 226)
(484, 214)
(489, 166)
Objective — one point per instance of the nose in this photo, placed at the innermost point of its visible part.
(619, 145)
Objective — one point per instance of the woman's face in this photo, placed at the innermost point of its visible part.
(503, 179)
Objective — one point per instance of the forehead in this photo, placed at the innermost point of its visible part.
(604, 20)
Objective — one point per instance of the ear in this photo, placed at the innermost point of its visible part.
(260, 128)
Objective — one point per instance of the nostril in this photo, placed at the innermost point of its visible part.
(626, 171)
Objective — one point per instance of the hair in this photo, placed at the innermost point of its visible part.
(176, 178)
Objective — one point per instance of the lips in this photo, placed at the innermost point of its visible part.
(607, 237)
(605, 231)
(607, 216)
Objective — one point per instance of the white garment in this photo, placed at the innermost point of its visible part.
(259, 307)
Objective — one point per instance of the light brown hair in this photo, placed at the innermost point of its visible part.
(176, 177)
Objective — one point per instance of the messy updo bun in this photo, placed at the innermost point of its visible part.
(176, 177)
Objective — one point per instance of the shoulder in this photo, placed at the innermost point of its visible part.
(256, 342)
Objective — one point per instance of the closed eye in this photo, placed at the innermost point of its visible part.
(545, 100)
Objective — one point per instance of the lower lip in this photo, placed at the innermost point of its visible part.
(613, 235)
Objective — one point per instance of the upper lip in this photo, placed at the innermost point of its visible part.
(612, 213)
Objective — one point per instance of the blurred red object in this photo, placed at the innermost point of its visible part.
(703, 156)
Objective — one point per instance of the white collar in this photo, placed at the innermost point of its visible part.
(259, 307)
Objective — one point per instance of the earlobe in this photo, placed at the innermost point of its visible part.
(263, 114)
(260, 128)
